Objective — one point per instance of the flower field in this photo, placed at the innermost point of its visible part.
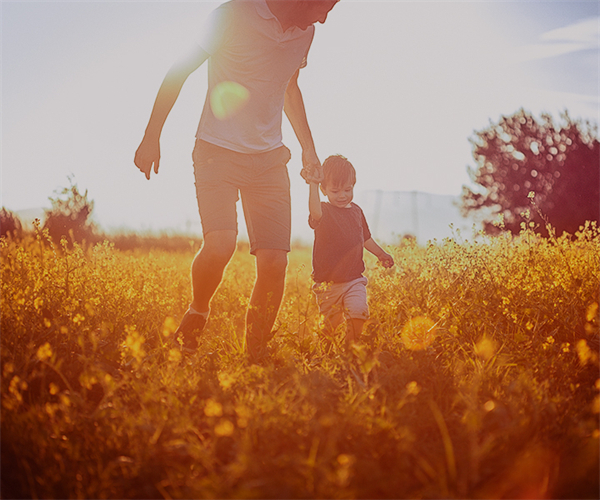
(477, 377)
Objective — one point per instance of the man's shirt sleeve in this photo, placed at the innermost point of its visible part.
(214, 30)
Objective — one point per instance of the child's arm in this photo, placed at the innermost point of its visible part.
(314, 202)
(385, 258)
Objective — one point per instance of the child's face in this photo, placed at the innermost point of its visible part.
(339, 196)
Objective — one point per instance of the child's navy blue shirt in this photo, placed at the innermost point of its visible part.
(340, 237)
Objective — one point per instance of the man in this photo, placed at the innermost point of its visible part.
(255, 50)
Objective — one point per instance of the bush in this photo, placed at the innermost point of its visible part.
(70, 216)
(10, 224)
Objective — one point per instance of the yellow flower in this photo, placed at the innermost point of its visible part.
(213, 408)
(44, 352)
(78, 318)
(413, 388)
(224, 428)
(134, 342)
(583, 351)
(418, 333)
(226, 380)
(174, 355)
(485, 348)
(169, 326)
(592, 312)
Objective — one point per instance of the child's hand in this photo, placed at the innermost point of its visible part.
(315, 176)
(311, 166)
(386, 260)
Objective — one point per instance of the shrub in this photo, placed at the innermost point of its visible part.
(70, 216)
(10, 224)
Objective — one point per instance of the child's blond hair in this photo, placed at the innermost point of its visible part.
(338, 171)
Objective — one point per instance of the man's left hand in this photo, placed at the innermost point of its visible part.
(311, 167)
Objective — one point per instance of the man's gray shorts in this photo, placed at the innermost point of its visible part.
(262, 180)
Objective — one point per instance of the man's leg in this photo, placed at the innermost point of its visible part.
(207, 272)
(265, 301)
(208, 267)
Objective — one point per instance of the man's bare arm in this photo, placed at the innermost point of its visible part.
(296, 113)
(148, 153)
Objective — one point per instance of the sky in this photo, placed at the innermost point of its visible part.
(397, 87)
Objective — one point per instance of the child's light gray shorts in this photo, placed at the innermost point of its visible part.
(348, 299)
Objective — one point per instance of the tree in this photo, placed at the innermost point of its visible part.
(70, 216)
(519, 155)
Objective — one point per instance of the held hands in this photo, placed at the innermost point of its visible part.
(311, 167)
(147, 154)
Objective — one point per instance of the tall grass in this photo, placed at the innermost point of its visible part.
(498, 400)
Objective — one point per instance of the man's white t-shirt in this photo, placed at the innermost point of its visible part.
(247, 46)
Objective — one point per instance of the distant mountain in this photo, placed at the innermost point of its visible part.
(394, 214)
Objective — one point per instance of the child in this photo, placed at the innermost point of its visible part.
(341, 233)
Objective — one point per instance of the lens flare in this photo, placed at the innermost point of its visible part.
(418, 333)
(227, 98)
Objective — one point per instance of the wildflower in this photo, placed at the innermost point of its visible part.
(224, 428)
(418, 333)
(8, 369)
(485, 348)
(592, 312)
(87, 380)
(413, 388)
(174, 355)
(583, 351)
(345, 468)
(226, 380)
(169, 326)
(78, 319)
(134, 342)
(44, 352)
(16, 386)
(213, 408)
(243, 413)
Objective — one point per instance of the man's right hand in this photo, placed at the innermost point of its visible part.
(148, 154)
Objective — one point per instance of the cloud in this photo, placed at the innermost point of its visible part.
(585, 32)
(582, 35)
